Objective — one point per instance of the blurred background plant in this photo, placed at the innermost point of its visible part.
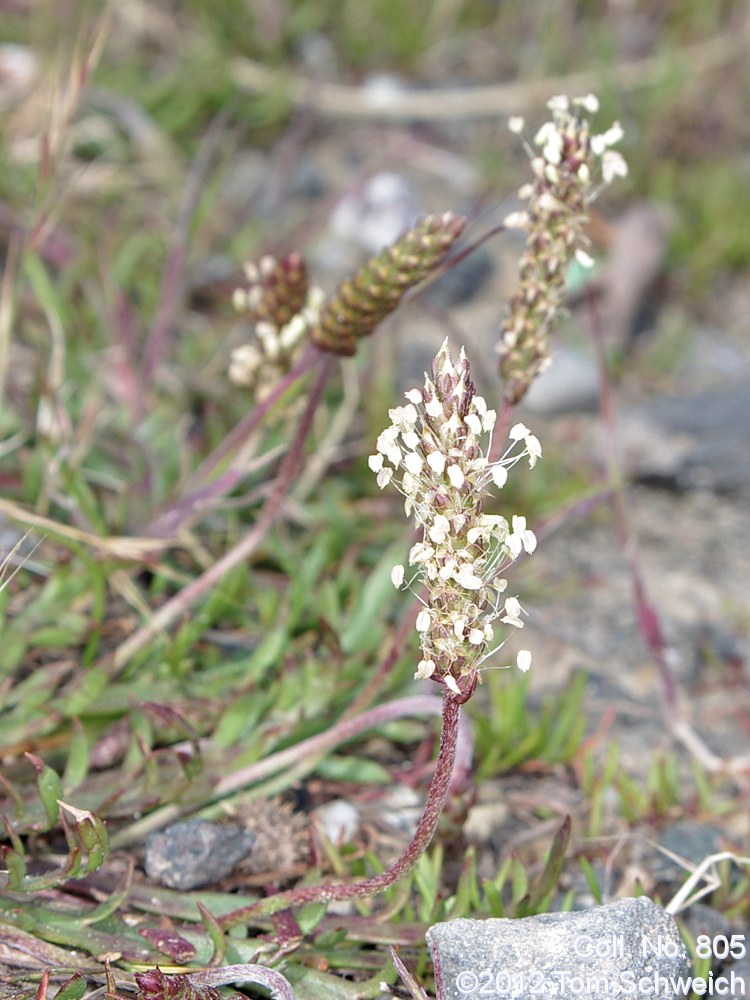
(146, 152)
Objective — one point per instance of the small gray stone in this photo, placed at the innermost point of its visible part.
(694, 442)
(195, 853)
(571, 384)
(340, 821)
(628, 947)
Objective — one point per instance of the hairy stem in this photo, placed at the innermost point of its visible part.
(419, 843)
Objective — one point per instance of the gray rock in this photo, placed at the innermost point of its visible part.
(571, 384)
(692, 442)
(195, 853)
(628, 947)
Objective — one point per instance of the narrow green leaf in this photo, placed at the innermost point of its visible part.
(549, 878)
(73, 988)
(591, 880)
(77, 764)
(49, 787)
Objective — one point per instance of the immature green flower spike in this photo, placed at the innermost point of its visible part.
(276, 290)
(362, 302)
(433, 452)
(570, 169)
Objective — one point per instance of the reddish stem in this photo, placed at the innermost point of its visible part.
(189, 595)
(436, 798)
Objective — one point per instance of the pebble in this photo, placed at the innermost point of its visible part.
(195, 853)
(571, 384)
(340, 821)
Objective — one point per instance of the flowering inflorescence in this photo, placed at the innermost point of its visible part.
(570, 167)
(433, 452)
(284, 308)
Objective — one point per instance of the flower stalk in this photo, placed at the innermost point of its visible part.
(326, 893)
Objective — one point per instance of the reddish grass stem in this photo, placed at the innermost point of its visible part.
(271, 512)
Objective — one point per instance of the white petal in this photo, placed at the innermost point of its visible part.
(397, 576)
(456, 476)
(529, 540)
(467, 579)
(499, 475)
(516, 220)
(523, 660)
(375, 462)
(425, 669)
(434, 408)
(414, 396)
(384, 477)
(436, 461)
(518, 431)
(473, 422)
(439, 529)
(476, 637)
(413, 463)
(513, 607)
(423, 621)
(450, 683)
(516, 124)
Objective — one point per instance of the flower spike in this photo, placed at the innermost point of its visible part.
(434, 451)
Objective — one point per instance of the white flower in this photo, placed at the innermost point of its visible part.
(589, 102)
(440, 529)
(439, 433)
(456, 476)
(499, 475)
(523, 660)
(467, 578)
(425, 670)
(613, 165)
(513, 607)
(583, 258)
(450, 683)
(423, 621)
(516, 124)
(413, 463)
(436, 461)
(516, 220)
